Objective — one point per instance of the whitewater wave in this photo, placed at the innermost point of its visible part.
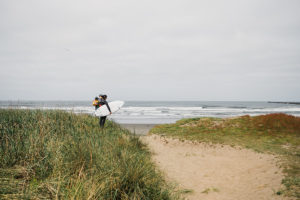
(168, 114)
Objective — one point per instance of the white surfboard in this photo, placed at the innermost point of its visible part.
(114, 107)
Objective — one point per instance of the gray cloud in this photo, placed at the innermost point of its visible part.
(164, 50)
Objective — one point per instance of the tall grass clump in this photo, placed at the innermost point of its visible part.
(59, 155)
(276, 133)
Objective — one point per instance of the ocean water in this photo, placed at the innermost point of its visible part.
(156, 112)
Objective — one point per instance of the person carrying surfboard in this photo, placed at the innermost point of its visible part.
(101, 103)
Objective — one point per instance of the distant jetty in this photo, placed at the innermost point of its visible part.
(284, 102)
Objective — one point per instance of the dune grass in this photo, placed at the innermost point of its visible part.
(273, 133)
(59, 155)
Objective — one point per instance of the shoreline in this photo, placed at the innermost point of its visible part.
(138, 129)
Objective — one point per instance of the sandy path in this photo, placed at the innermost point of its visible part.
(215, 171)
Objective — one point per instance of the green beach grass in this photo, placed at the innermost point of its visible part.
(60, 155)
(277, 134)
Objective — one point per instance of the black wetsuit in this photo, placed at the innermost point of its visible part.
(103, 118)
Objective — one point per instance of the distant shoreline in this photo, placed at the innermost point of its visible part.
(284, 102)
(139, 129)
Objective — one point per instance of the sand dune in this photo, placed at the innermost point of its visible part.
(217, 172)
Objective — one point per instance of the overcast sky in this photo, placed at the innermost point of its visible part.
(150, 50)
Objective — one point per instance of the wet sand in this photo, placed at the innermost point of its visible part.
(138, 129)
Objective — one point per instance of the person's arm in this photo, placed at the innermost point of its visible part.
(107, 106)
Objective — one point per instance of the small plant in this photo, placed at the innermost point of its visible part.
(207, 190)
(186, 191)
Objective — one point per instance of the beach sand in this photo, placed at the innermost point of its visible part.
(213, 172)
(216, 172)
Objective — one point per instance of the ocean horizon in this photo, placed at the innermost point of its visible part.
(158, 112)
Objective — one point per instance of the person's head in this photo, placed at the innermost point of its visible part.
(96, 98)
(103, 96)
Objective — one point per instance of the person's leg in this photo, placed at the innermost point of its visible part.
(100, 121)
(103, 120)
